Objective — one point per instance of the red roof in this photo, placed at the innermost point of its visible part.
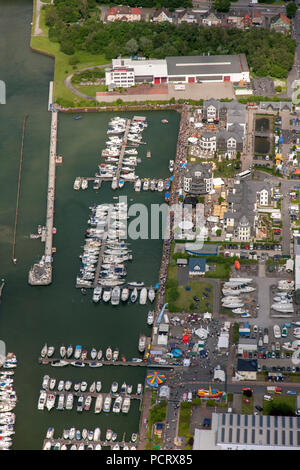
(124, 11)
(284, 18)
(297, 171)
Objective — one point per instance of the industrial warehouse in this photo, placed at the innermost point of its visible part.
(192, 69)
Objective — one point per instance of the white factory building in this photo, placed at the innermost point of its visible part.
(191, 69)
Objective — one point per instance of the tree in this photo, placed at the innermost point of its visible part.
(131, 47)
(291, 9)
(51, 16)
(73, 60)
(222, 5)
(218, 232)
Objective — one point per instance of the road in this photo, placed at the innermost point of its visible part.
(68, 81)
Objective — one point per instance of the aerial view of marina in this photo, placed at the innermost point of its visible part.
(149, 234)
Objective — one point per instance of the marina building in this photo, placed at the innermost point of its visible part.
(198, 179)
(191, 69)
(231, 431)
(245, 201)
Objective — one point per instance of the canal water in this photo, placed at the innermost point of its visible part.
(60, 314)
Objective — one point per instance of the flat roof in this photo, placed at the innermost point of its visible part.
(207, 65)
(156, 68)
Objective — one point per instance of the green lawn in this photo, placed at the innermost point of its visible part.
(247, 409)
(62, 69)
(185, 420)
(90, 90)
(284, 402)
(185, 301)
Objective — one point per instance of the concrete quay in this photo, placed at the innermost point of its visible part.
(41, 273)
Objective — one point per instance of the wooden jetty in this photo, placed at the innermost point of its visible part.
(122, 152)
(102, 247)
(41, 273)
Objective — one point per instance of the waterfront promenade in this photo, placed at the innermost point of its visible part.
(41, 273)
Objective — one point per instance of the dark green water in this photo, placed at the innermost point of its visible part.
(31, 316)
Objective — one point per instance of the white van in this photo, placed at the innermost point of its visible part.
(190, 397)
(268, 398)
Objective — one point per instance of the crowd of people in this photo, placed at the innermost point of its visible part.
(180, 155)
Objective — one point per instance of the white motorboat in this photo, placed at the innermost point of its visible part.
(80, 403)
(242, 280)
(142, 343)
(114, 387)
(92, 387)
(277, 331)
(99, 403)
(42, 400)
(115, 296)
(77, 184)
(97, 434)
(78, 351)
(146, 184)
(50, 433)
(109, 354)
(116, 354)
(83, 386)
(84, 183)
(134, 295)
(84, 434)
(52, 384)
(61, 402)
(114, 183)
(143, 296)
(117, 404)
(98, 386)
(50, 351)
(87, 402)
(171, 166)
(134, 437)
(126, 405)
(139, 389)
(46, 380)
(76, 386)
(93, 353)
(106, 295)
(150, 317)
(160, 185)
(137, 185)
(50, 401)
(107, 404)
(99, 354)
(61, 385)
(108, 435)
(286, 307)
(44, 350)
(125, 294)
(69, 351)
(69, 401)
(62, 351)
(129, 389)
(238, 311)
(123, 388)
(97, 294)
(151, 294)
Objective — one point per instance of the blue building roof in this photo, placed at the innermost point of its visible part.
(197, 265)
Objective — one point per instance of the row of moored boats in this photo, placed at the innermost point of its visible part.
(8, 401)
(87, 440)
